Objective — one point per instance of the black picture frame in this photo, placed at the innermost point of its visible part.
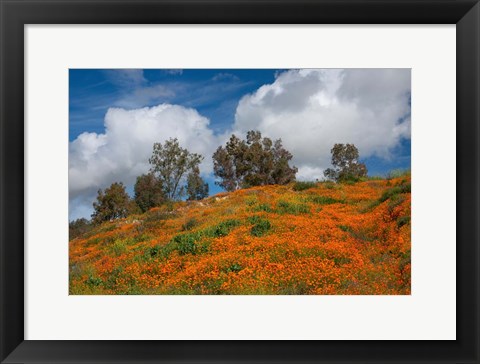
(17, 13)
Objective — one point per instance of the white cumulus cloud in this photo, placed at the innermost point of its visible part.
(121, 153)
(311, 110)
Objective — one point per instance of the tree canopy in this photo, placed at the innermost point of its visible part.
(346, 165)
(113, 203)
(171, 163)
(78, 227)
(197, 188)
(148, 192)
(255, 161)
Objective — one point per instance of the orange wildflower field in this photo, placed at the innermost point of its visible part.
(328, 239)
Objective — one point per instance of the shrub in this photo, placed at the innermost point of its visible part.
(79, 227)
(223, 229)
(119, 247)
(341, 260)
(93, 281)
(263, 207)
(189, 224)
(305, 185)
(161, 251)
(404, 220)
(261, 228)
(140, 238)
(254, 219)
(324, 200)
(111, 281)
(350, 180)
(329, 185)
(393, 202)
(251, 200)
(153, 251)
(403, 188)
(405, 258)
(285, 207)
(364, 233)
(234, 268)
(186, 244)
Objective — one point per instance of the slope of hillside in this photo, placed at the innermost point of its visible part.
(328, 239)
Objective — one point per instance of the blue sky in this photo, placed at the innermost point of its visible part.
(214, 93)
(114, 115)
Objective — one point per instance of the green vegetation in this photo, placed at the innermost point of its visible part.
(197, 188)
(403, 220)
(170, 163)
(111, 204)
(261, 228)
(324, 200)
(189, 224)
(234, 268)
(148, 192)
(302, 186)
(398, 173)
(346, 165)
(187, 243)
(263, 207)
(285, 207)
(402, 188)
(255, 161)
(79, 227)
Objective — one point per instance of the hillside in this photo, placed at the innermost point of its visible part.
(327, 239)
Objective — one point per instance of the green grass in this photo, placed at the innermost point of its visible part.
(393, 194)
(404, 220)
(363, 234)
(234, 268)
(119, 247)
(189, 243)
(222, 229)
(292, 208)
(303, 185)
(189, 224)
(261, 228)
(93, 281)
(324, 200)
(403, 188)
(397, 173)
(263, 207)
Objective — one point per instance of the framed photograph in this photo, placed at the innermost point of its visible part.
(239, 181)
(249, 202)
